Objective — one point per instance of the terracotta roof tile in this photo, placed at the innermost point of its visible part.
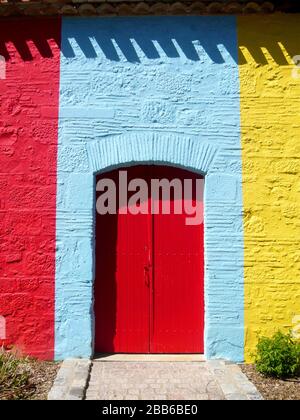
(144, 7)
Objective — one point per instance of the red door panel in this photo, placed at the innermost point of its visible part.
(178, 261)
(149, 277)
(122, 299)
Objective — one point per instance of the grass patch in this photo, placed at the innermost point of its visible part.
(15, 381)
(23, 378)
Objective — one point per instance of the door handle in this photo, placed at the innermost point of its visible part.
(147, 275)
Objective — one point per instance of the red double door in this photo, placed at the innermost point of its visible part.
(149, 289)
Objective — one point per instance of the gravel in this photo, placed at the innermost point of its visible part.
(272, 388)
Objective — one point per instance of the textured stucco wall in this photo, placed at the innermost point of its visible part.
(150, 90)
(28, 151)
(270, 115)
(213, 94)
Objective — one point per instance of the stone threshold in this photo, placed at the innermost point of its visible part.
(121, 357)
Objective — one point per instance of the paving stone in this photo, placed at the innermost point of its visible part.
(56, 393)
(153, 381)
(71, 380)
(127, 380)
(236, 397)
(234, 384)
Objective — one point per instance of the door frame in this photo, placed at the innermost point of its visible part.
(103, 284)
(223, 237)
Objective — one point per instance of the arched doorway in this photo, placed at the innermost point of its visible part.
(149, 287)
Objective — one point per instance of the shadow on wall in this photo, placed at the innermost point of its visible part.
(16, 38)
(121, 42)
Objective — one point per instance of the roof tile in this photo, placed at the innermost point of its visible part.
(142, 7)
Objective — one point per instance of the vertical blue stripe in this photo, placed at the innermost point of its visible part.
(155, 89)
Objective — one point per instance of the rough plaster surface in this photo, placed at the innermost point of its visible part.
(270, 115)
(28, 150)
(166, 90)
(150, 90)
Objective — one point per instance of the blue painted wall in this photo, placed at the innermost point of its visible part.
(162, 90)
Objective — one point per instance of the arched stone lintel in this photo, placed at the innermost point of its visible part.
(176, 150)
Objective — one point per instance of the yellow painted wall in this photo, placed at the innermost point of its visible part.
(270, 121)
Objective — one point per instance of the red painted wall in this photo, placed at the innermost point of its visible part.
(28, 154)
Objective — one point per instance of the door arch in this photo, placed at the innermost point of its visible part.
(149, 287)
(224, 241)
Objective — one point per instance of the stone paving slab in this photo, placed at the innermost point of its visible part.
(152, 381)
(121, 357)
(235, 385)
(71, 381)
(80, 379)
